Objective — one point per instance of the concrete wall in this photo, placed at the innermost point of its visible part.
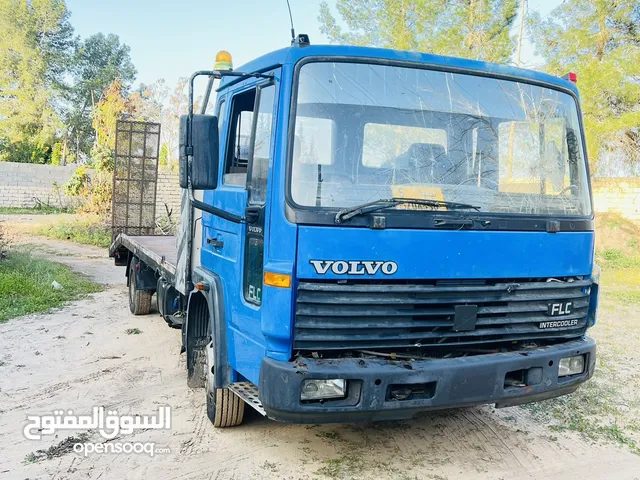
(617, 195)
(22, 183)
(168, 192)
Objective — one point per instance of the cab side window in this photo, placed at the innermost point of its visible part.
(239, 141)
(261, 151)
(257, 192)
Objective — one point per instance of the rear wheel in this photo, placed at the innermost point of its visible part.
(139, 300)
(224, 408)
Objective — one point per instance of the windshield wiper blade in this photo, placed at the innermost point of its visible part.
(382, 203)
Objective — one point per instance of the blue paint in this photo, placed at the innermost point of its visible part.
(448, 254)
(291, 55)
(267, 330)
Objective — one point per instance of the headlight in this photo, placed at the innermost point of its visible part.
(571, 366)
(323, 389)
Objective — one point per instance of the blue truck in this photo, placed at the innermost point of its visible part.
(368, 233)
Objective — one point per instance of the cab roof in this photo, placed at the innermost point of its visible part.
(291, 55)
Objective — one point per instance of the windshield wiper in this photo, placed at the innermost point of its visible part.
(382, 203)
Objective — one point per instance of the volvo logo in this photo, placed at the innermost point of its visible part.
(352, 267)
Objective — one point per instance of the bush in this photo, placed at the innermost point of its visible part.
(167, 223)
(93, 231)
(102, 158)
(92, 189)
(25, 152)
(79, 181)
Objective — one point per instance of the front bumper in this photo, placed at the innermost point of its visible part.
(443, 383)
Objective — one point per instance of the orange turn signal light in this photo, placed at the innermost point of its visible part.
(279, 280)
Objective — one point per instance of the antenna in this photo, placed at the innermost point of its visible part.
(293, 32)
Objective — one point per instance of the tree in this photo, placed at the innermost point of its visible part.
(146, 102)
(96, 189)
(600, 41)
(177, 105)
(107, 112)
(36, 40)
(477, 29)
(97, 62)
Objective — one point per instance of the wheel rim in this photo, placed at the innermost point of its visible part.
(210, 381)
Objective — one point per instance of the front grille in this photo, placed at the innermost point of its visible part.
(342, 316)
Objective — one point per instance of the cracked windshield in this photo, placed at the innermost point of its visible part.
(365, 132)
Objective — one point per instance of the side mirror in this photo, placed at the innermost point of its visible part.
(205, 150)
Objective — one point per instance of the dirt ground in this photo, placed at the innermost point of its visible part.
(81, 356)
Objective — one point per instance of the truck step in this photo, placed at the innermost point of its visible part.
(248, 392)
(174, 321)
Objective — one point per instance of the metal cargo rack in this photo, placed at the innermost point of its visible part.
(135, 176)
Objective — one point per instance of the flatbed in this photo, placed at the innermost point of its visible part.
(159, 252)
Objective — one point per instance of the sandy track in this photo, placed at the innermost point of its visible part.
(80, 356)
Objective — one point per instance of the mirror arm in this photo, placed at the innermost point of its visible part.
(218, 212)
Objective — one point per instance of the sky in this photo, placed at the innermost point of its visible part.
(171, 39)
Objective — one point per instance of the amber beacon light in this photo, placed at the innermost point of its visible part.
(223, 61)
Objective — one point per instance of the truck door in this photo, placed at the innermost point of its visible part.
(235, 251)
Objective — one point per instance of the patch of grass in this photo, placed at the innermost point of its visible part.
(345, 466)
(615, 258)
(611, 221)
(615, 231)
(79, 231)
(628, 297)
(25, 285)
(30, 458)
(594, 410)
(272, 467)
(331, 435)
(133, 331)
(65, 446)
(41, 209)
(620, 278)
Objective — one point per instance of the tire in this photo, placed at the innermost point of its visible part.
(224, 408)
(139, 300)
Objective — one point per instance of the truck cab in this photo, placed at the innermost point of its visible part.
(386, 232)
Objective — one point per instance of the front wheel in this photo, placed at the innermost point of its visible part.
(224, 408)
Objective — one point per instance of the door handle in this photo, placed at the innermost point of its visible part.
(215, 243)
